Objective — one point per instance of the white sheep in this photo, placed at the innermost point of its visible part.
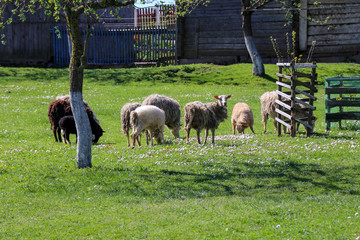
(209, 115)
(268, 106)
(125, 119)
(150, 118)
(171, 108)
(242, 117)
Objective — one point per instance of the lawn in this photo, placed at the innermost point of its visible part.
(244, 187)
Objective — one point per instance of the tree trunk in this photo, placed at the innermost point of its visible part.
(258, 65)
(76, 75)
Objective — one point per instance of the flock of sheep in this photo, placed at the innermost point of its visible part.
(156, 111)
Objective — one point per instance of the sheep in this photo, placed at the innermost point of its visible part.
(150, 118)
(268, 106)
(171, 108)
(241, 118)
(205, 116)
(67, 98)
(125, 119)
(58, 109)
(68, 126)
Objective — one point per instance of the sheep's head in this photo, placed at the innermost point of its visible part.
(175, 131)
(241, 127)
(222, 100)
(158, 135)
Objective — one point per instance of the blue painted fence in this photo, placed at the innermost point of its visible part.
(121, 46)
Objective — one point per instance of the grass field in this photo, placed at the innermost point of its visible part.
(244, 187)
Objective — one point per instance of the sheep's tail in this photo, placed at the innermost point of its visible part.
(134, 119)
(189, 117)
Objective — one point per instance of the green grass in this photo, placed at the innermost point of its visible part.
(244, 187)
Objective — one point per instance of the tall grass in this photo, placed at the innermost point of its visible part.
(244, 187)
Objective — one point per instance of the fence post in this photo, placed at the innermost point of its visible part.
(293, 86)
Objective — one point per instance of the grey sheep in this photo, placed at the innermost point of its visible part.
(242, 117)
(125, 119)
(205, 116)
(171, 108)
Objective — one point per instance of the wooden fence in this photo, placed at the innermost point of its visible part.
(342, 102)
(293, 110)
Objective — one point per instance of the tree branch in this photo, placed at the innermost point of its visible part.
(103, 4)
(84, 62)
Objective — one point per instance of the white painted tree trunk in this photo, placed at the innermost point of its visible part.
(84, 133)
(258, 66)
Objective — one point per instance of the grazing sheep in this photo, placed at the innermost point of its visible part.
(242, 117)
(268, 106)
(150, 118)
(171, 108)
(68, 126)
(67, 98)
(58, 109)
(125, 119)
(205, 116)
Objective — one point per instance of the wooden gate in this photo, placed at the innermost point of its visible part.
(293, 110)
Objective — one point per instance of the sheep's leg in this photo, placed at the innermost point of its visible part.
(275, 124)
(59, 134)
(151, 134)
(187, 134)
(233, 128)
(148, 137)
(134, 136)
(128, 140)
(198, 135)
(213, 135)
(138, 139)
(265, 118)
(251, 127)
(206, 135)
(55, 135)
(64, 137)
(67, 136)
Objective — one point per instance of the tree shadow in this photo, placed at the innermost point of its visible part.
(269, 78)
(243, 179)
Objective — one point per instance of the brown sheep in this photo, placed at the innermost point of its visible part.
(242, 117)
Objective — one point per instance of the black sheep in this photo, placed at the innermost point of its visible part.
(67, 126)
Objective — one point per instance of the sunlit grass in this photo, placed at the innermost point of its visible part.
(244, 187)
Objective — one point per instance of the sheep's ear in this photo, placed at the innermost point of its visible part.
(216, 97)
(228, 96)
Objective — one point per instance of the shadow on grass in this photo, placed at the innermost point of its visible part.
(269, 78)
(244, 179)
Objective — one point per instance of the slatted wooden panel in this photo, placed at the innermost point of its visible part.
(296, 91)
